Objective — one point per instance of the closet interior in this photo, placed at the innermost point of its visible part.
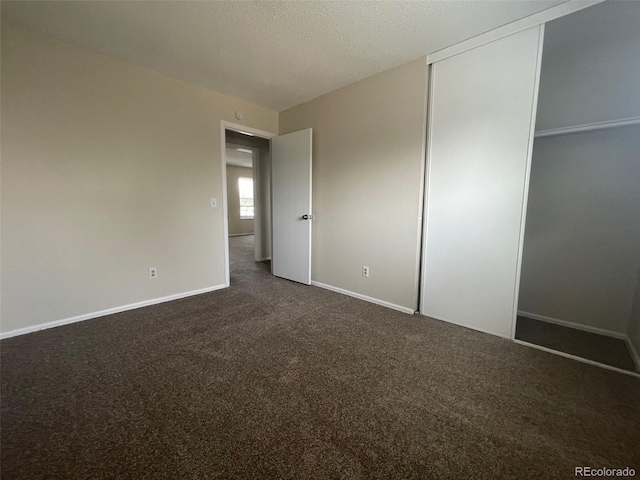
(580, 273)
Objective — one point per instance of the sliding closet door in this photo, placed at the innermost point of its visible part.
(481, 124)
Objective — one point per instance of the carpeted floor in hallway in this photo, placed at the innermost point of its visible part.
(272, 379)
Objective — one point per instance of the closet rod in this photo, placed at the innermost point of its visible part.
(588, 127)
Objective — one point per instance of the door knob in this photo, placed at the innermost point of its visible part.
(305, 217)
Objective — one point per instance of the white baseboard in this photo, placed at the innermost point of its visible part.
(264, 259)
(577, 326)
(240, 234)
(579, 359)
(634, 353)
(109, 311)
(363, 297)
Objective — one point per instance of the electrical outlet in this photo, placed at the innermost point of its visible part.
(153, 272)
(365, 271)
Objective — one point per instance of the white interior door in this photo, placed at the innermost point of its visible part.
(482, 117)
(291, 206)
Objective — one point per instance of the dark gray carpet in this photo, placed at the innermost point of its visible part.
(592, 346)
(271, 379)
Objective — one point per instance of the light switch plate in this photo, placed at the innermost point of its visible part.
(214, 203)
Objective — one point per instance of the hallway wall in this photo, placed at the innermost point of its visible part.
(237, 225)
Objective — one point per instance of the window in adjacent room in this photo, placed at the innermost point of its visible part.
(245, 186)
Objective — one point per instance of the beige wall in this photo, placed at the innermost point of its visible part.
(368, 157)
(107, 170)
(581, 251)
(237, 225)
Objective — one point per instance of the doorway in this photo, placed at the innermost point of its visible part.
(243, 202)
(246, 165)
(282, 198)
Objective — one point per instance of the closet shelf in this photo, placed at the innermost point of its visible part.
(588, 127)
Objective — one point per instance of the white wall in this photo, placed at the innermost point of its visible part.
(368, 156)
(237, 225)
(582, 249)
(591, 67)
(107, 170)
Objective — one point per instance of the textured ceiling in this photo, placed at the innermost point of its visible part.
(274, 54)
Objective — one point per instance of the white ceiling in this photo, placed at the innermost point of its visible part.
(274, 54)
(239, 159)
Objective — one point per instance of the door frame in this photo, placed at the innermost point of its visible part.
(224, 126)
